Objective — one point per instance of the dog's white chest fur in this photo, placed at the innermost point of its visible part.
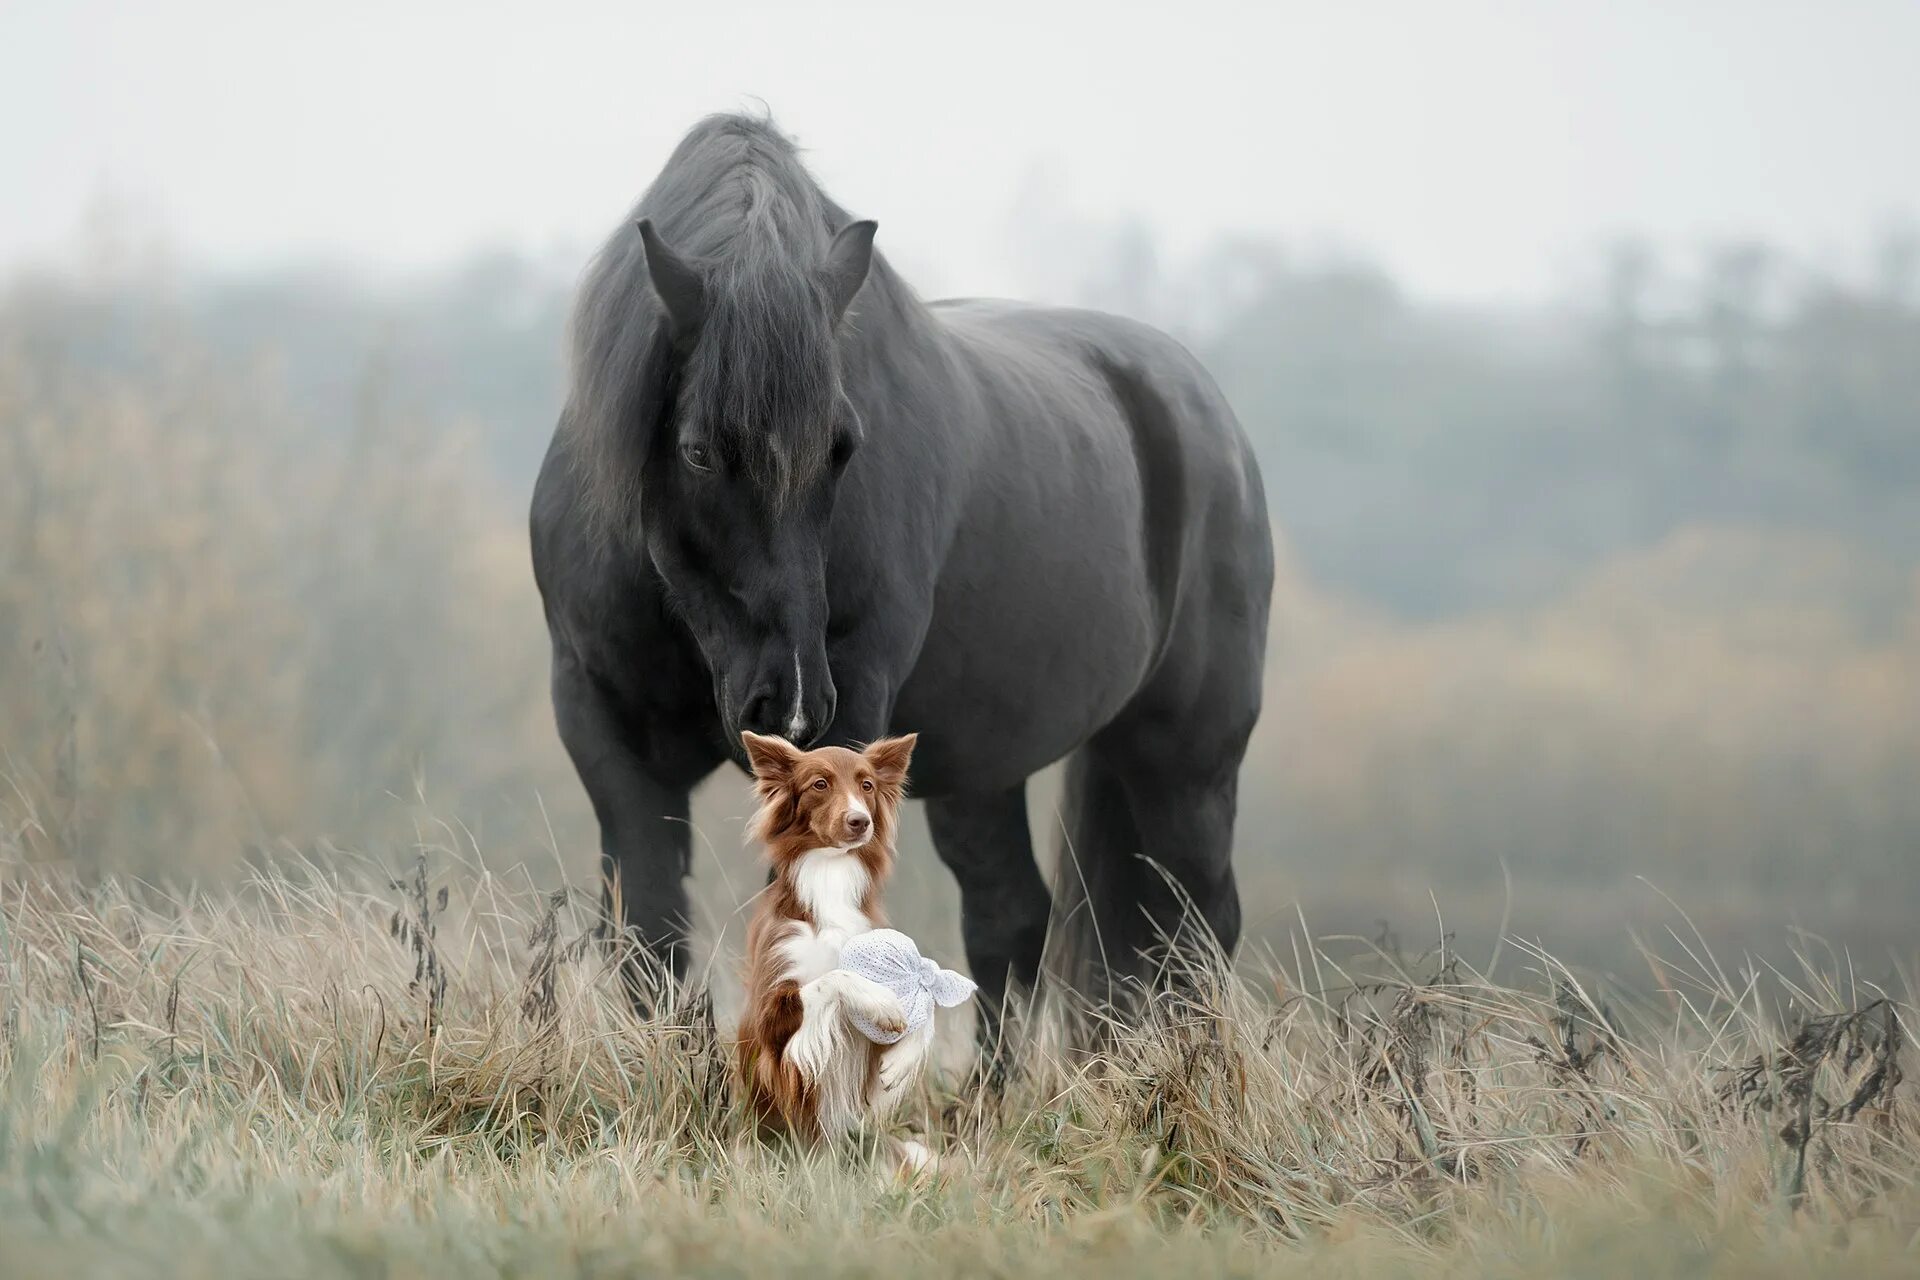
(829, 884)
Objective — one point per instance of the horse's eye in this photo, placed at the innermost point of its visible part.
(842, 450)
(697, 456)
(819, 784)
(866, 784)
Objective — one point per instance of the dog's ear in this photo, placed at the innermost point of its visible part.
(772, 758)
(889, 758)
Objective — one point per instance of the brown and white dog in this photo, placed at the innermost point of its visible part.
(826, 819)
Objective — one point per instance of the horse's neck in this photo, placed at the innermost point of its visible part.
(899, 331)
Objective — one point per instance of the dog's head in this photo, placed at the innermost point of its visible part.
(829, 798)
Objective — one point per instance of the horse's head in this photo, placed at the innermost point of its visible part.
(740, 482)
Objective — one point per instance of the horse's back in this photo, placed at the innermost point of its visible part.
(1127, 363)
(1194, 463)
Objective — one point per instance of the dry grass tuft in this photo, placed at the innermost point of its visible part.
(316, 1074)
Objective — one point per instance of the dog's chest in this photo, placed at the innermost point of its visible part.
(830, 885)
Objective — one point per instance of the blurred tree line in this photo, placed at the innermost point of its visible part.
(1440, 459)
(1431, 459)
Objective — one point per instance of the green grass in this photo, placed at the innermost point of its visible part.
(271, 1081)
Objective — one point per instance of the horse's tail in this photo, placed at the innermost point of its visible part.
(1092, 947)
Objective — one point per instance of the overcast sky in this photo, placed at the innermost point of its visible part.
(1477, 150)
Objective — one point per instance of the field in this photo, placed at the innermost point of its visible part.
(433, 1074)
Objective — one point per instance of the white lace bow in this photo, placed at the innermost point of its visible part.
(890, 958)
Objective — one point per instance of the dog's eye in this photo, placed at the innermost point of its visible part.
(697, 456)
(819, 784)
(866, 784)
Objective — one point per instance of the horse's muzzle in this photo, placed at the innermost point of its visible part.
(783, 701)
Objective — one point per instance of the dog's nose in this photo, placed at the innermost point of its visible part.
(858, 823)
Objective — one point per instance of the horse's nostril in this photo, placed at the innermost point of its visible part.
(762, 714)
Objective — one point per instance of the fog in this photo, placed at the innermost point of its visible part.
(1474, 150)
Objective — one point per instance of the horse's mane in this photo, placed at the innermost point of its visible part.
(734, 200)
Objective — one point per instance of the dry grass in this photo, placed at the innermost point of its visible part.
(433, 1074)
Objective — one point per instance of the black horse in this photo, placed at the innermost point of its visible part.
(787, 495)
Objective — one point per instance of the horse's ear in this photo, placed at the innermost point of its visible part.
(681, 290)
(847, 261)
(772, 758)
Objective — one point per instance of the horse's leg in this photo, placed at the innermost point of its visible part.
(1186, 831)
(1144, 807)
(1003, 897)
(1095, 941)
(641, 803)
(1174, 754)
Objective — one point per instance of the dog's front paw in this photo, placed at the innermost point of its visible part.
(897, 1071)
(888, 1016)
